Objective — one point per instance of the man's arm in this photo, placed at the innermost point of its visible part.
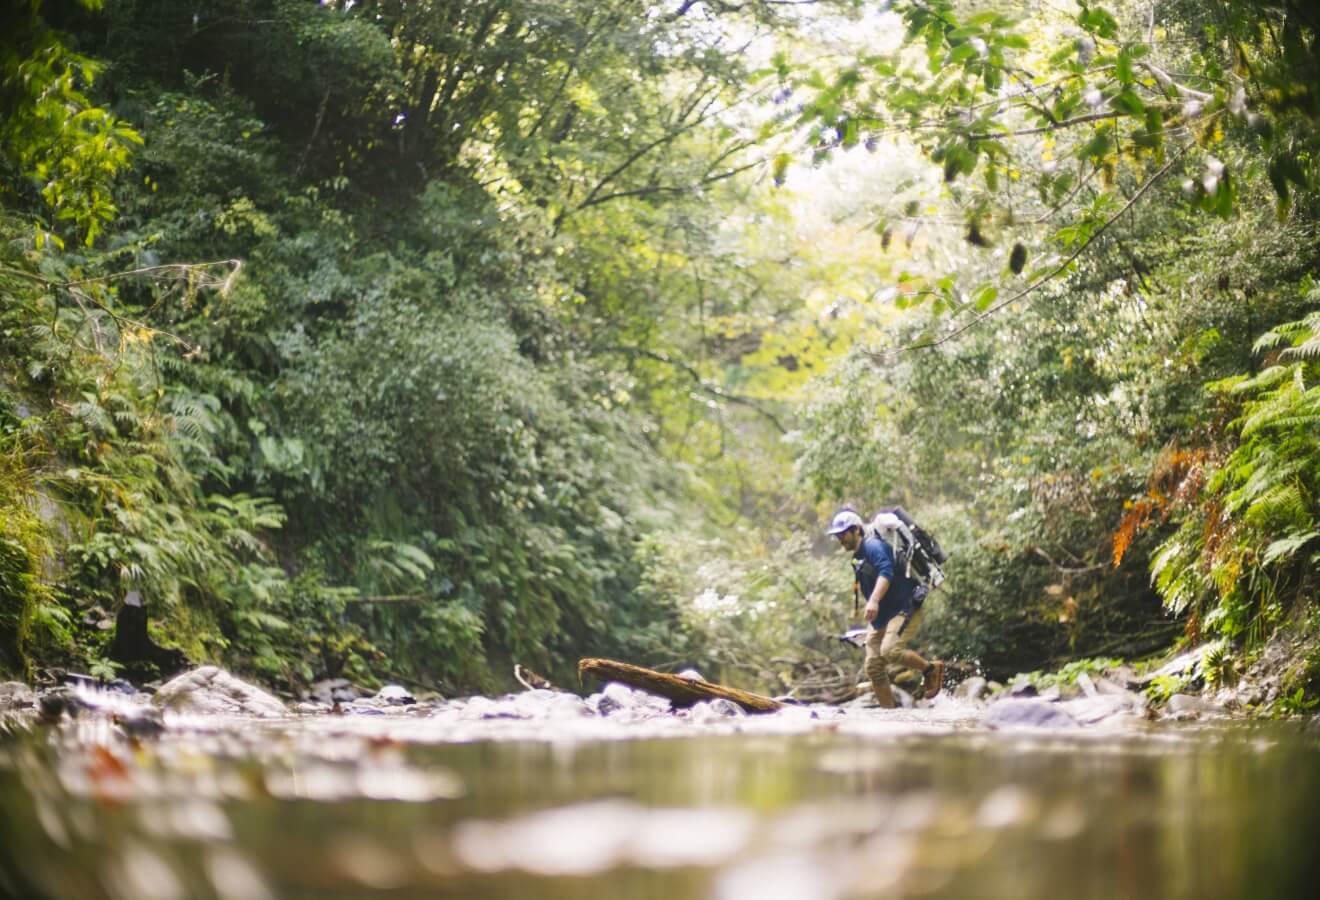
(873, 603)
(877, 553)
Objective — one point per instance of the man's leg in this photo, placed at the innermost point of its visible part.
(876, 668)
(894, 651)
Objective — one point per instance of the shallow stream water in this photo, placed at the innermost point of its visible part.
(804, 804)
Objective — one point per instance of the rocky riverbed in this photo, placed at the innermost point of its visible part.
(211, 787)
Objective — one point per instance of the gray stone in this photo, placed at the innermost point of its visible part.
(973, 688)
(691, 675)
(1187, 665)
(1109, 688)
(1027, 714)
(333, 690)
(615, 698)
(211, 689)
(1022, 688)
(715, 710)
(1189, 706)
(543, 703)
(1122, 676)
(395, 695)
(1092, 710)
(1051, 694)
(1087, 685)
(16, 695)
(140, 722)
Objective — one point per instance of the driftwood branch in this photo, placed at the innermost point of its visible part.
(680, 691)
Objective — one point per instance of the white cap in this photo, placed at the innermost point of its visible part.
(845, 520)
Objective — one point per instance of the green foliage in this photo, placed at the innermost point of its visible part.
(32, 622)
(387, 429)
(1248, 545)
(55, 140)
(1296, 703)
(428, 338)
(1162, 687)
(1067, 675)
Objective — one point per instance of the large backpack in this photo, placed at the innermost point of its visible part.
(916, 551)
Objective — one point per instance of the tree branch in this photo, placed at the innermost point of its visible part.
(701, 383)
(1049, 276)
(669, 188)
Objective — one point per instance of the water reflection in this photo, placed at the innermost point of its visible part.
(314, 808)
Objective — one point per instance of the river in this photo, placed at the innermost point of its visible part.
(804, 804)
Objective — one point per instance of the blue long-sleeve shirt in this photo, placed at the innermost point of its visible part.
(872, 560)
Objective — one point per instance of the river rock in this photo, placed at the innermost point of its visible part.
(1093, 710)
(543, 703)
(1028, 714)
(211, 689)
(973, 688)
(1187, 666)
(395, 695)
(715, 710)
(1107, 687)
(140, 722)
(333, 690)
(1187, 706)
(615, 698)
(1022, 688)
(16, 695)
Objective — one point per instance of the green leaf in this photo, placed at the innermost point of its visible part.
(1128, 102)
(961, 53)
(1123, 67)
(1098, 21)
(1098, 147)
(983, 296)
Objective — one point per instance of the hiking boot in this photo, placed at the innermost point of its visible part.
(933, 680)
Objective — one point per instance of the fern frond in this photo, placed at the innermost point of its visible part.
(1308, 349)
(1264, 379)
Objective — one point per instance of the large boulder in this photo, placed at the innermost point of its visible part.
(211, 689)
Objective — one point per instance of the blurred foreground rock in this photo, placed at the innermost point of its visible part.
(1027, 714)
(211, 689)
(16, 695)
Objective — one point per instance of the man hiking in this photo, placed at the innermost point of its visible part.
(891, 618)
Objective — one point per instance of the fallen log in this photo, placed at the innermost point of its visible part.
(680, 691)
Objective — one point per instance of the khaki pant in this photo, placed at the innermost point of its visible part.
(884, 647)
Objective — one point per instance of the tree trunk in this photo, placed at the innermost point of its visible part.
(680, 691)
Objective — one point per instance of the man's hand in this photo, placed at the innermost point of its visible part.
(872, 609)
